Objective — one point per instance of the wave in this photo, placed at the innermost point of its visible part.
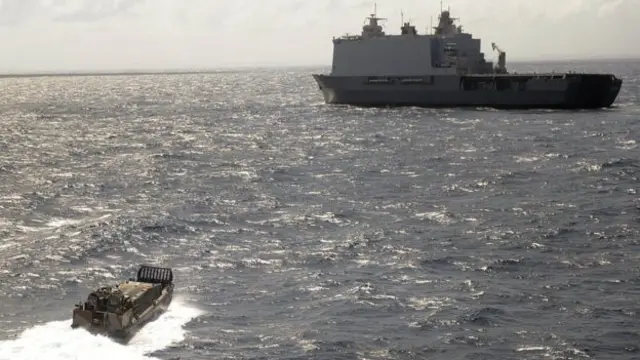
(56, 340)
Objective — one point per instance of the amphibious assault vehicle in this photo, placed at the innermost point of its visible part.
(120, 311)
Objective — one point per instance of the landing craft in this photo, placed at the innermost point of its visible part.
(447, 69)
(120, 311)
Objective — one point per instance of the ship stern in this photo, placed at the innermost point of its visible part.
(82, 319)
(614, 90)
(98, 323)
(593, 91)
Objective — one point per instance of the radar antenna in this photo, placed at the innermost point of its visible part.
(373, 17)
(446, 23)
(373, 28)
(501, 67)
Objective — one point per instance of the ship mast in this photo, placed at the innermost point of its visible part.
(373, 28)
(373, 18)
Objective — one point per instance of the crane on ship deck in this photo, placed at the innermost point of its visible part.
(501, 67)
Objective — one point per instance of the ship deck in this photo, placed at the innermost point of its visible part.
(557, 75)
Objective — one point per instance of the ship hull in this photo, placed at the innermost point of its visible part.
(82, 319)
(502, 91)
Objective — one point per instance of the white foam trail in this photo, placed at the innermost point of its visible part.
(56, 340)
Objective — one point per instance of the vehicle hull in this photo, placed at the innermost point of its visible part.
(120, 312)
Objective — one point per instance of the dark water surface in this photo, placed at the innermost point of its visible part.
(298, 230)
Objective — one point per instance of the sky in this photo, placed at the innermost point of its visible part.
(113, 35)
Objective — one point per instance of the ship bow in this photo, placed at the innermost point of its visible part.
(328, 91)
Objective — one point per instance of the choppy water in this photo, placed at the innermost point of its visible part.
(299, 230)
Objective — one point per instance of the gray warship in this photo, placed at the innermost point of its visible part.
(447, 69)
(120, 311)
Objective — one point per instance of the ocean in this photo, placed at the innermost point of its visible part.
(300, 230)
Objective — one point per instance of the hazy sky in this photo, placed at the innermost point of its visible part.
(52, 35)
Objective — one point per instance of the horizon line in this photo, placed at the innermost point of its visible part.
(240, 67)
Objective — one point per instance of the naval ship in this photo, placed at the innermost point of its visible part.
(447, 69)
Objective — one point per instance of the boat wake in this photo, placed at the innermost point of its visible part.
(56, 340)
